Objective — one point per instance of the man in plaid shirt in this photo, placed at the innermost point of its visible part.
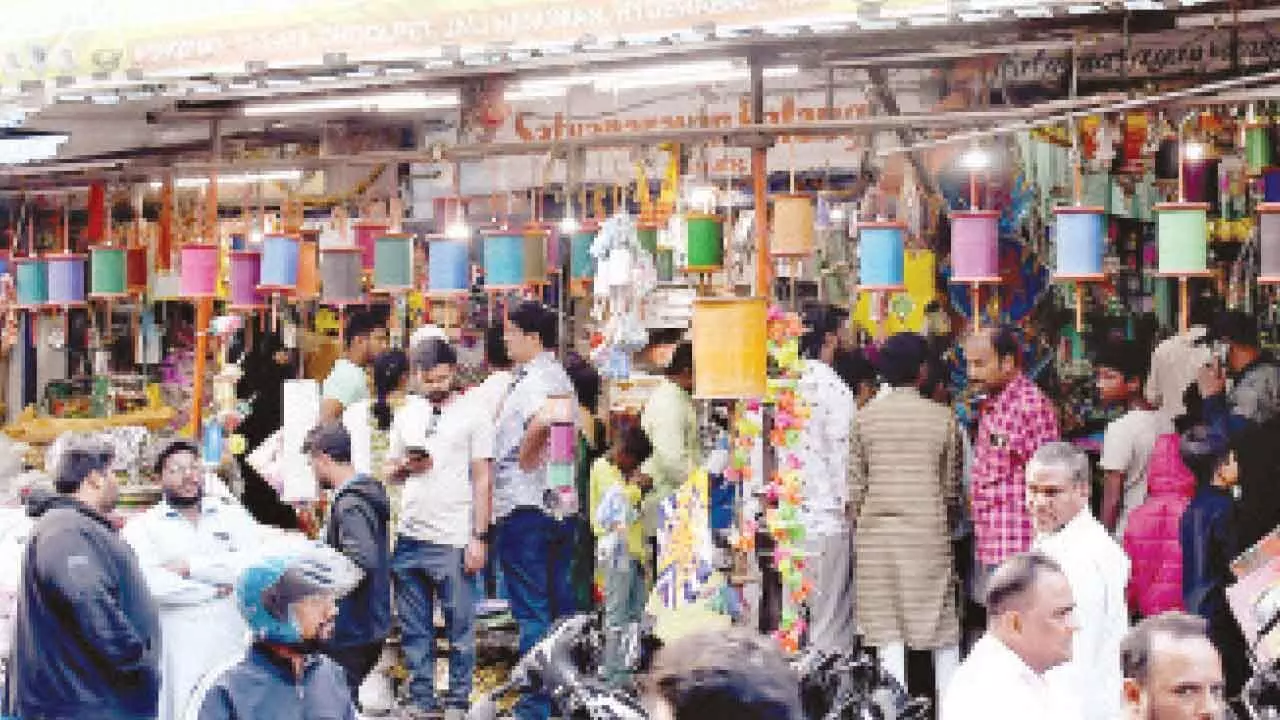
(1014, 420)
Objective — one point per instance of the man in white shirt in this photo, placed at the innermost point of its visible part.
(1030, 624)
(1098, 570)
(442, 447)
(535, 540)
(825, 456)
(192, 546)
(1172, 671)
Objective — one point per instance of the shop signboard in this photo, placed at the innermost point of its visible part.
(79, 38)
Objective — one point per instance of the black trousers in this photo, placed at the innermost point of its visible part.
(358, 662)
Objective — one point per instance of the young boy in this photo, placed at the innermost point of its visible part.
(1208, 536)
(621, 552)
(1129, 439)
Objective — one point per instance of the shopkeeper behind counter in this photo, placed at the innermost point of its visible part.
(348, 382)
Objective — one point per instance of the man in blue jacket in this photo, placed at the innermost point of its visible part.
(288, 602)
(358, 528)
(87, 639)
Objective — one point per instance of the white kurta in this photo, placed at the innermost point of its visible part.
(993, 683)
(15, 528)
(200, 626)
(1097, 570)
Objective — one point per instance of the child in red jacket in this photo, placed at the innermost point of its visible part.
(1151, 536)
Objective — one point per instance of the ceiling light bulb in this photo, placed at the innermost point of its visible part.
(458, 230)
(975, 158)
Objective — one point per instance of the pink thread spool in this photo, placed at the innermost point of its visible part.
(246, 268)
(367, 235)
(563, 444)
(199, 277)
(975, 254)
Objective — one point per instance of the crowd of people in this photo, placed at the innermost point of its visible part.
(1094, 602)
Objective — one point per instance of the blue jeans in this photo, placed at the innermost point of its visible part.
(534, 550)
(425, 572)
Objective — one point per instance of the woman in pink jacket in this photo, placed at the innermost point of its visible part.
(1151, 536)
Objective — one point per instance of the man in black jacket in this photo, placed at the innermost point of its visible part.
(358, 528)
(87, 641)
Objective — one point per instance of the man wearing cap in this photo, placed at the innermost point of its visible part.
(192, 546)
(87, 638)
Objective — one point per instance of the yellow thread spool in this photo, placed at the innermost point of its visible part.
(729, 348)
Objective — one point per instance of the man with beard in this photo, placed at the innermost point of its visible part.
(442, 448)
(1014, 420)
(358, 529)
(1172, 671)
(288, 602)
(192, 547)
(87, 638)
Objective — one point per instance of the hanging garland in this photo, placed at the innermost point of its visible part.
(783, 491)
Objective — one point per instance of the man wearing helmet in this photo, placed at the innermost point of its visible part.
(290, 605)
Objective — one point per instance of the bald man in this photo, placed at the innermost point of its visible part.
(1172, 670)
(1030, 625)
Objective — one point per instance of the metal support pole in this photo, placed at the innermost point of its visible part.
(760, 183)
(204, 306)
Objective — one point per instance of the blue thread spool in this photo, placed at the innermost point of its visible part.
(504, 260)
(66, 279)
(1271, 184)
(1081, 237)
(581, 265)
(6, 264)
(448, 266)
(32, 281)
(279, 264)
(393, 262)
(881, 258)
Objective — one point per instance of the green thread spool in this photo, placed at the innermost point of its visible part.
(108, 273)
(1182, 234)
(666, 264)
(581, 265)
(706, 242)
(647, 234)
(31, 279)
(393, 262)
(1257, 148)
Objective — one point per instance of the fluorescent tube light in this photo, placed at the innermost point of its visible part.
(385, 102)
(235, 179)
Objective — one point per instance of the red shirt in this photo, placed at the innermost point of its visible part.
(1011, 427)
